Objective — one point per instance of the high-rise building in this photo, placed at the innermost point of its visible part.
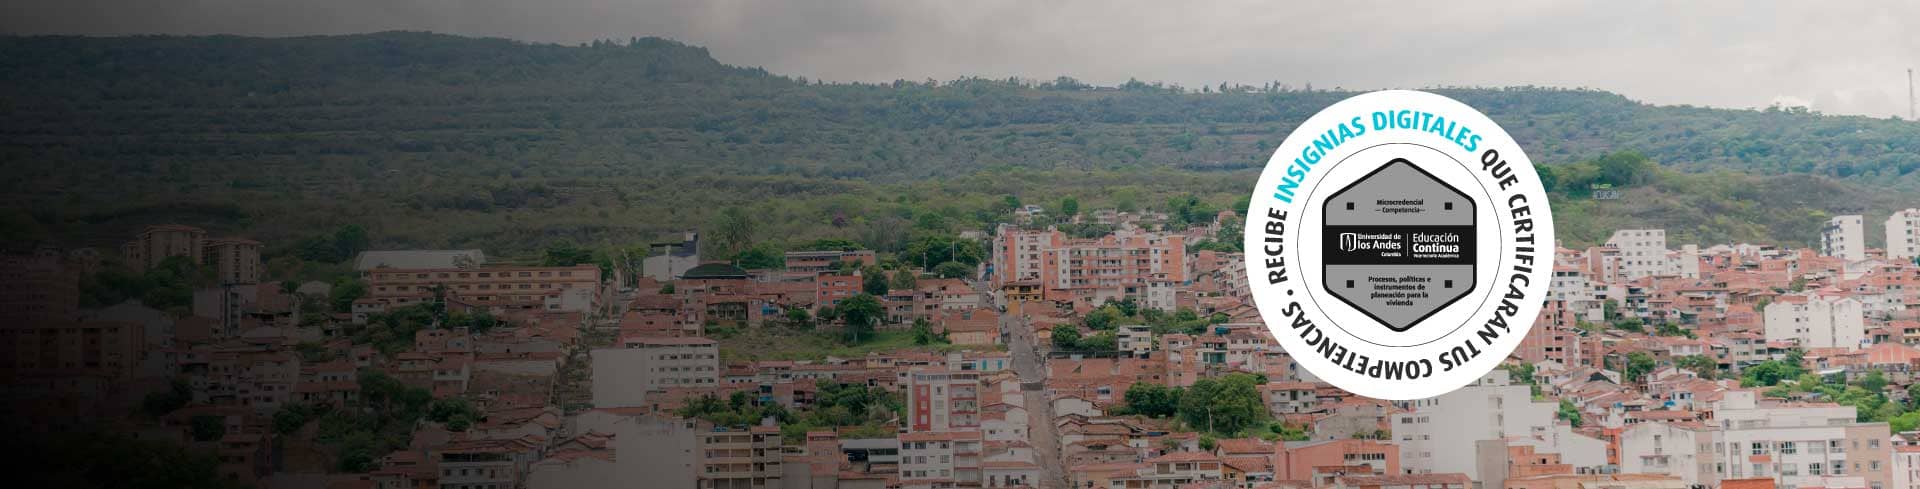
(943, 400)
(1124, 264)
(624, 375)
(158, 243)
(1799, 445)
(1432, 431)
(732, 458)
(1903, 235)
(1643, 252)
(1844, 237)
(1816, 321)
(236, 261)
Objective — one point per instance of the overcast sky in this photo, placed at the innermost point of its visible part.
(1838, 57)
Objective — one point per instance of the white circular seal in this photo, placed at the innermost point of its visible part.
(1399, 245)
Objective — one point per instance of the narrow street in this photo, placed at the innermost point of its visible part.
(1030, 366)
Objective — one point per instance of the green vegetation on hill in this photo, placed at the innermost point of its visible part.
(429, 140)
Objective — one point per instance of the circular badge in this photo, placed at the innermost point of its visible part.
(1399, 245)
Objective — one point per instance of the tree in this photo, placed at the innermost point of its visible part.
(1874, 381)
(1152, 400)
(160, 403)
(1639, 363)
(345, 291)
(1099, 341)
(761, 256)
(1226, 404)
(923, 333)
(1066, 337)
(1569, 412)
(860, 313)
(566, 255)
(798, 318)
(291, 418)
(735, 230)
(904, 279)
(208, 427)
(1069, 207)
(1705, 366)
(874, 281)
(1769, 373)
(952, 269)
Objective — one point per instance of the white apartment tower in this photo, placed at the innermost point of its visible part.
(1903, 235)
(1643, 252)
(625, 373)
(1844, 237)
(1433, 431)
(1816, 321)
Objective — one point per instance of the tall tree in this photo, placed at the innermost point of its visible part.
(735, 230)
(860, 313)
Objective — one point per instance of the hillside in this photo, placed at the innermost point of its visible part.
(434, 140)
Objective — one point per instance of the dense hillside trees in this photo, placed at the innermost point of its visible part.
(428, 140)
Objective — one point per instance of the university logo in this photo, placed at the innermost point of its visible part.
(1399, 245)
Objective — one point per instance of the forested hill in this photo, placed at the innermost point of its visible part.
(447, 140)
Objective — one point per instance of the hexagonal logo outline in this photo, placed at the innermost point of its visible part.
(1473, 265)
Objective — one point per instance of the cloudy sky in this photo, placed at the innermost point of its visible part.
(1838, 57)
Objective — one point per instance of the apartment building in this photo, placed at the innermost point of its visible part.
(1903, 235)
(1492, 408)
(800, 262)
(479, 464)
(1124, 264)
(941, 459)
(1798, 444)
(1905, 471)
(943, 400)
(110, 349)
(1173, 470)
(740, 459)
(158, 243)
(506, 287)
(1816, 321)
(1643, 252)
(235, 261)
(1844, 237)
(37, 289)
(625, 374)
(1680, 449)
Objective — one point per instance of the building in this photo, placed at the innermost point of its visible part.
(1643, 252)
(1905, 473)
(1799, 445)
(943, 400)
(1680, 449)
(109, 349)
(158, 243)
(368, 261)
(623, 376)
(37, 289)
(1816, 321)
(514, 287)
(1843, 237)
(739, 458)
(1903, 235)
(822, 261)
(1125, 264)
(235, 261)
(1432, 432)
(674, 257)
(941, 459)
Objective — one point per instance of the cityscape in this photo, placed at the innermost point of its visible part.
(577, 244)
(1133, 359)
